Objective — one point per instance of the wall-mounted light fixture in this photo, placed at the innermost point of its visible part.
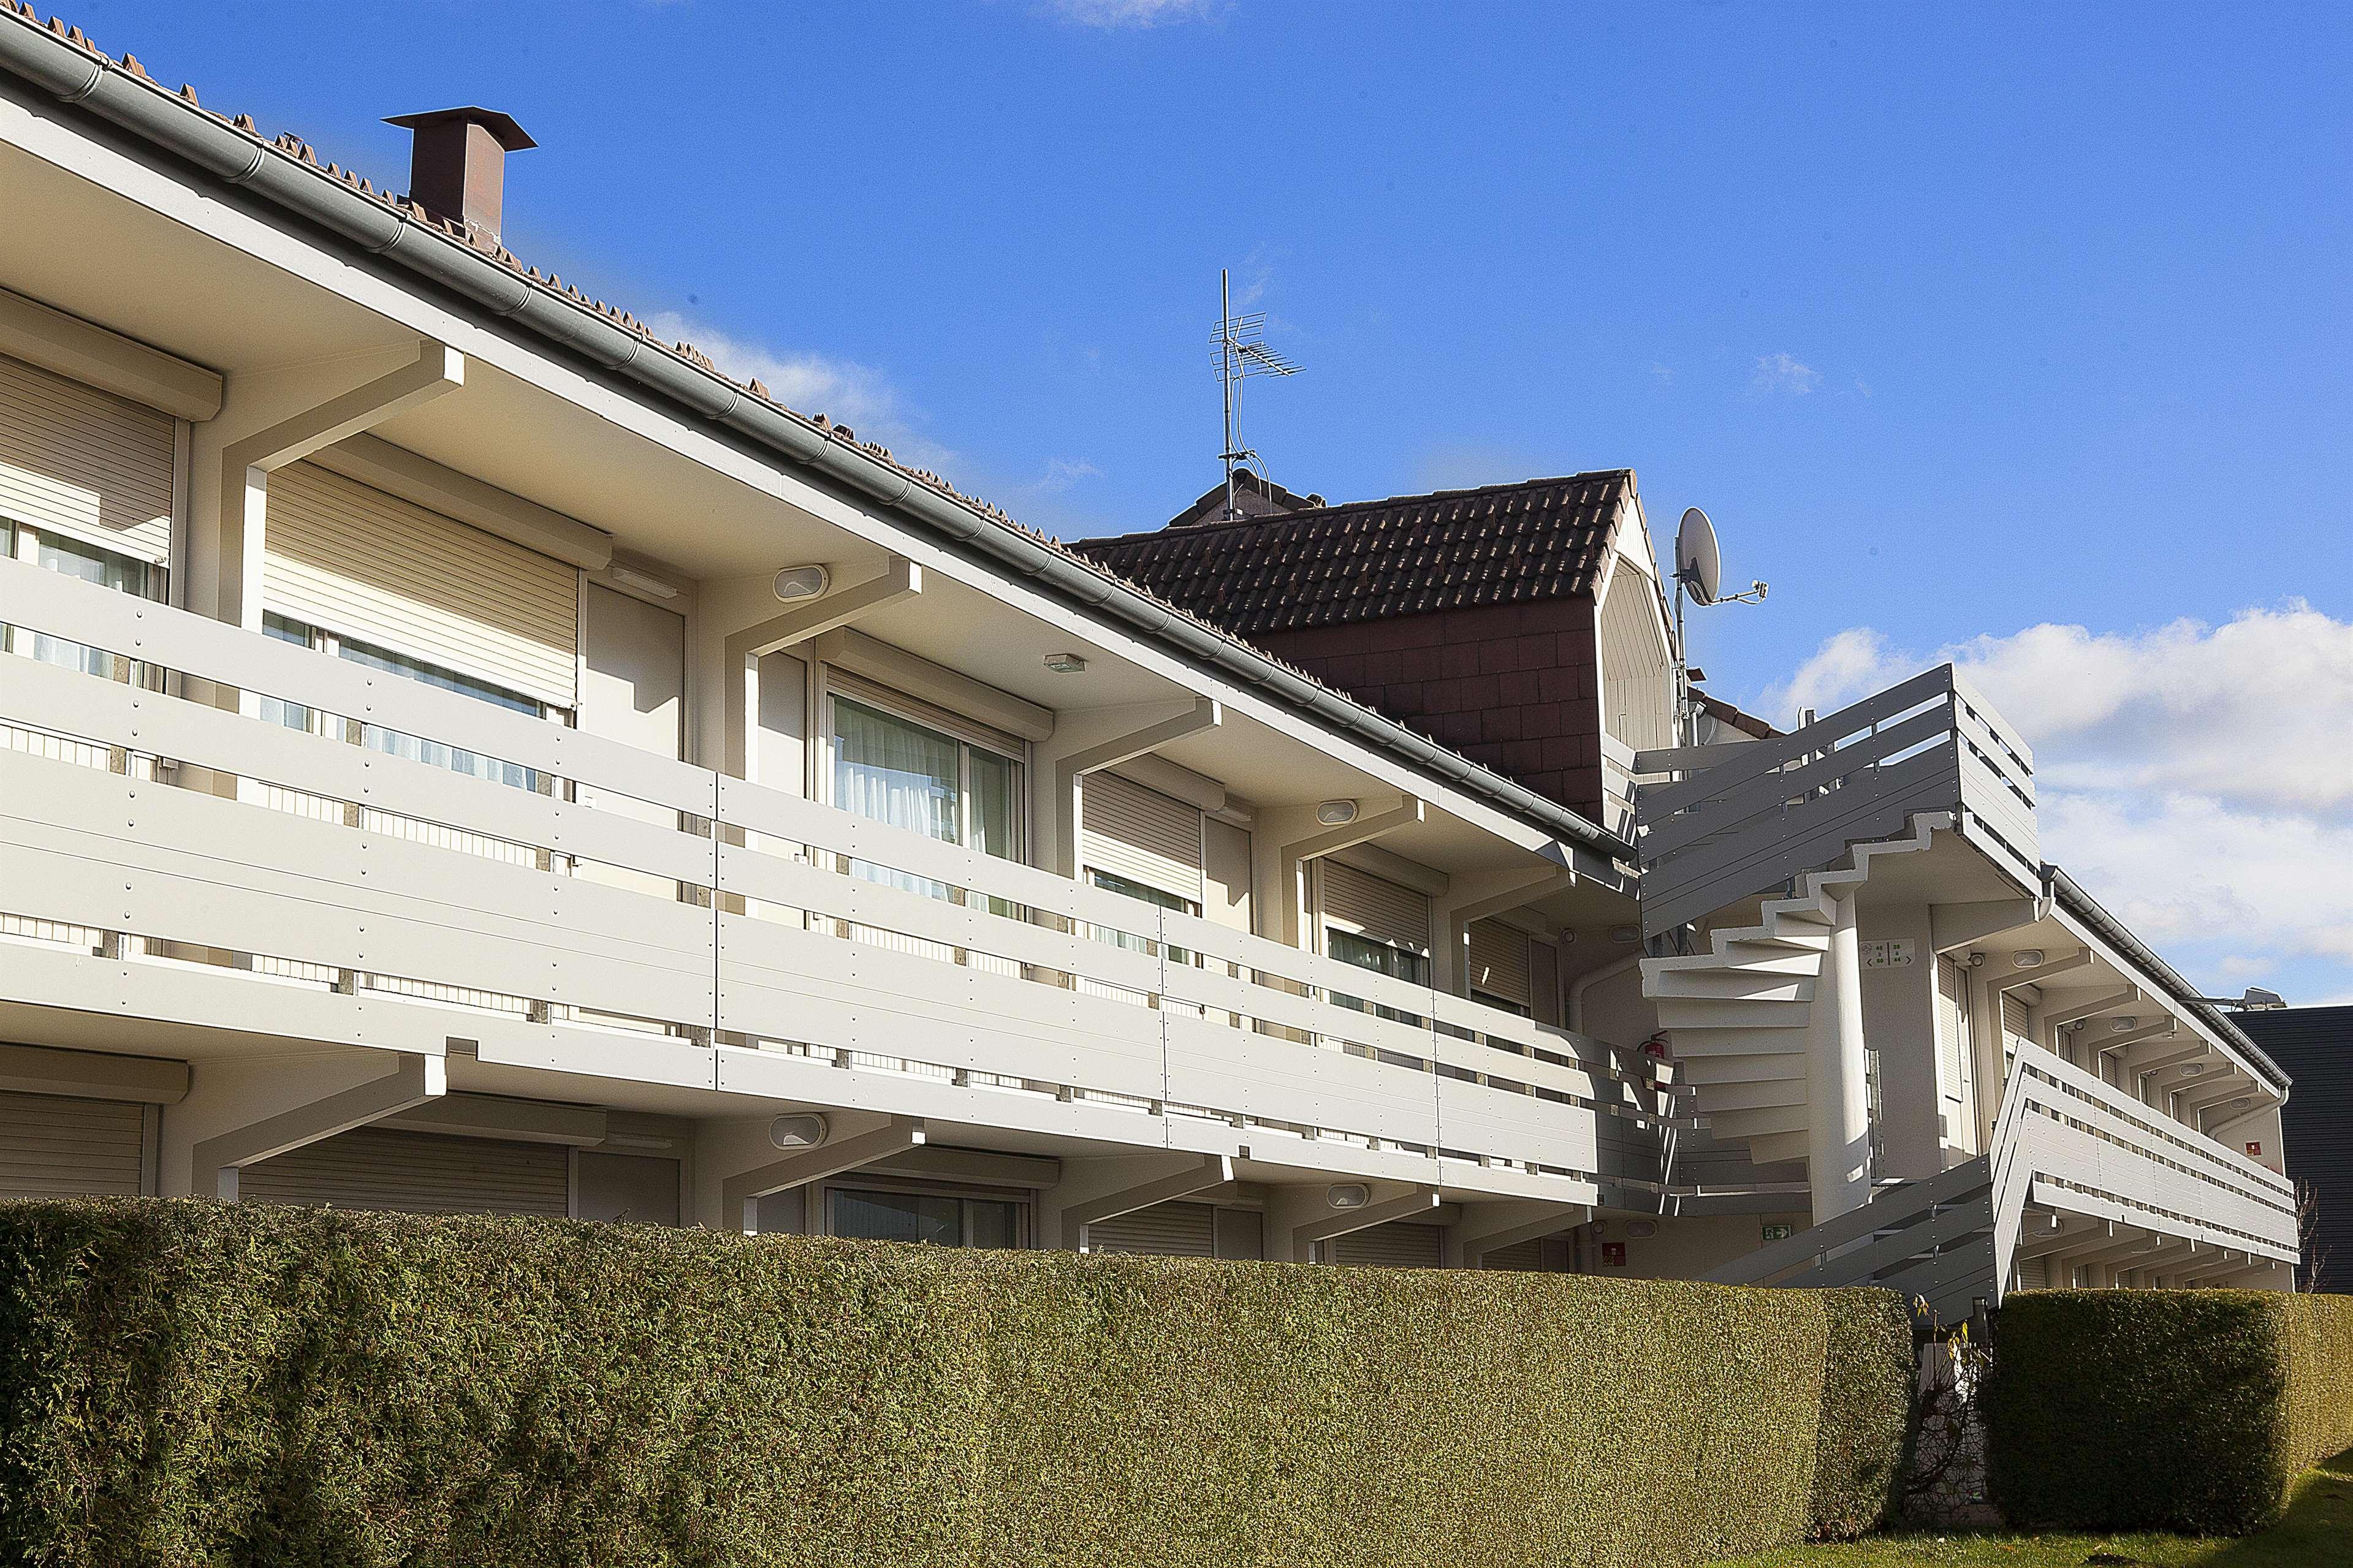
(1348, 1194)
(2026, 958)
(797, 1131)
(1337, 813)
(802, 583)
(1066, 663)
(2123, 1025)
(1625, 933)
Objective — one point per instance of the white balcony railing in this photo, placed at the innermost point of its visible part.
(2066, 1140)
(630, 891)
(1733, 821)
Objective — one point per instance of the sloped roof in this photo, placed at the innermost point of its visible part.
(682, 372)
(1407, 555)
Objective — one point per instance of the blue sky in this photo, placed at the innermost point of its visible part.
(1969, 324)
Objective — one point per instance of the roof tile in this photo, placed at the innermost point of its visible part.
(1408, 555)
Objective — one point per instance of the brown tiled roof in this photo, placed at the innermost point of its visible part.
(1408, 555)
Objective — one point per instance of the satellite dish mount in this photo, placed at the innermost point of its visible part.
(1699, 577)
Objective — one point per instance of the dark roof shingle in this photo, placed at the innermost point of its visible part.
(1408, 555)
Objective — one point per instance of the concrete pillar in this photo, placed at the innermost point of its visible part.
(1838, 1147)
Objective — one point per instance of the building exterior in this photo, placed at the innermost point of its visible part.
(2315, 1045)
(464, 754)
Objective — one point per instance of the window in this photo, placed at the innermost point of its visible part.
(294, 716)
(1381, 958)
(108, 569)
(1501, 1003)
(890, 769)
(1127, 887)
(937, 1219)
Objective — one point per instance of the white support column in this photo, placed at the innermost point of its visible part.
(1286, 837)
(741, 1191)
(1089, 741)
(1838, 1125)
(1299, 1217)
(1491, 1227)
(244, 464)
(216, 1161)
(900, 579)
(1094, 1190)
(1472, 898)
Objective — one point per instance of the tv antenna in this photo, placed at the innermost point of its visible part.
(1240, 346)
(1699, 577)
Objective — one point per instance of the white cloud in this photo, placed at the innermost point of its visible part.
(1785, 373)
(1113, 14)
(2257, 711)
(1061, 473)
(844, 391)
(2199, 779)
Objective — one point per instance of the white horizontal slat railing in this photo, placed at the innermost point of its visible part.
(1737, 820)
(2086, 1144)
(706, 909)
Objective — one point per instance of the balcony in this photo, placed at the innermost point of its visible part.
(173, 859)
(1735, 820)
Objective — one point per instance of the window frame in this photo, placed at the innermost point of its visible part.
(964, 734)
(1023, 1200)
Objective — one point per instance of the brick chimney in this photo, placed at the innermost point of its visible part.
(456, 164)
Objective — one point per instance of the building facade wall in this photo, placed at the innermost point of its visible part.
(1516, 688)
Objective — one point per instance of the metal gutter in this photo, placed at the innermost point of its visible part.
(75, 74)
(2085, 908)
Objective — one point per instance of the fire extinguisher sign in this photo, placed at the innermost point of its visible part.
(2254, 1150)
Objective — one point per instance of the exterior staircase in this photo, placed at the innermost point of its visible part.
(1738, 1013)
(1932, 1239)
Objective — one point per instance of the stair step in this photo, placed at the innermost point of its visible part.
(1721, 1015)
(1751, 1095)
(1732, 985)
(1707, 1071)
(1777, 1148)
(1758, 1122)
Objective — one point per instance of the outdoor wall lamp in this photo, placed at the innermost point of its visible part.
(802, 583)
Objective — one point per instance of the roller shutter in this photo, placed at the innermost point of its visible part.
(1358, 901)
(1140, 833)
(1164, 1230)
(1953, 1023)
(1499, 961)
(2017, 1029)
(55, 1147)
(416, 1172)
(85, 463)
(1395, 1245)
(370, 565)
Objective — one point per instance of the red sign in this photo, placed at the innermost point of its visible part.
(1614, 1255)
(2255, 1149)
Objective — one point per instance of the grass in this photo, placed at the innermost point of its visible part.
(2317, 1530)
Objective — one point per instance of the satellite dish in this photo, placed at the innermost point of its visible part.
(1698, 567)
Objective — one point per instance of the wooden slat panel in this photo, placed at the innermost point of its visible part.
(84, 463)
(356, 561)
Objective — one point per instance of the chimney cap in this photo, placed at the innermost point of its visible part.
(510, 136)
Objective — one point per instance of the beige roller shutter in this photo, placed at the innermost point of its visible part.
(416, 1172)
(1140, 833)
(1499, 961)
(55, 1147)
(1953, 1023)
(373, 566)
(1395, 1245)
(2016, 1028)
(1164, 1230)
(1358, 901)
(86, 463)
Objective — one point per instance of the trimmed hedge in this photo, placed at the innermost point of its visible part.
(2190, 1410)
(193, 1383)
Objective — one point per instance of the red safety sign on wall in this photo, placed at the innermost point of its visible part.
(2255, 1149)
(1614, 1255)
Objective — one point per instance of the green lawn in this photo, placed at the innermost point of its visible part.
(2317, 1531)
